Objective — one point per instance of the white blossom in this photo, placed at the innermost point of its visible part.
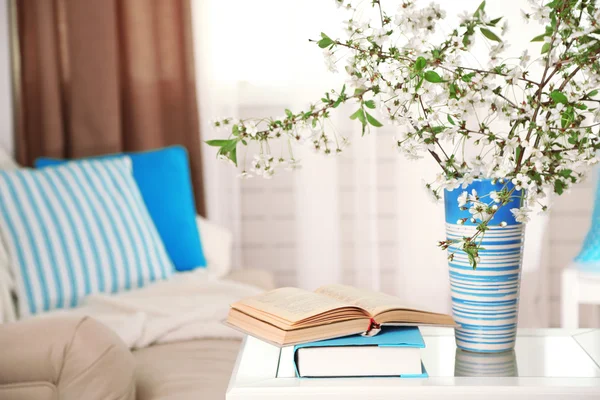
(521, 214)
(251, 129)
(525, 58)
(462, 199)
(473, 197)
(495, 197)
(520, 181)
(245, 175)
(479, 211)
(330, 61)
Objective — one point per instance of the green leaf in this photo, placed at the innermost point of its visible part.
(420, 63)
(592, 93)
(559, 186)
(466, 39)
(495, 21)
(370, 104)
(233, 156)
(288, 113)
(433, 77)
(228, 148)
(360, 115)
(565, 173)
(373, 121)
(341, 98)
(490, 35)
(467, 77)
(452, 89)
(218, 142)
(539, 38)
(437, 129)
(567, 117)
(545, 48)
(479, 9)
(355, 115)
(572, 139)
(419, 84)
(325, 41)
(554, 3)
(559, 97)
(451, 120)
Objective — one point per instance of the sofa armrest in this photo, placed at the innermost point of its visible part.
(74, 358)
(255, 277)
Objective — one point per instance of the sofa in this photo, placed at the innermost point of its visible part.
(79, 358)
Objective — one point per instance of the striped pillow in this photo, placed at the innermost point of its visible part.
(77, 229)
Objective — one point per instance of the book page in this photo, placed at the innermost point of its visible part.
(369, 300)
(290, 304)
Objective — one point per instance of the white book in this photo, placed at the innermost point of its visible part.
(344, 361)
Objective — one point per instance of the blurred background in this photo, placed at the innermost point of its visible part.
(360, 218)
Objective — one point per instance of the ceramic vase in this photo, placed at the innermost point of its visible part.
(485, 299)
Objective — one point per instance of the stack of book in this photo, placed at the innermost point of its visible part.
(338, 330)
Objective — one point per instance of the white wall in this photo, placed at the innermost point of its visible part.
(6, 107)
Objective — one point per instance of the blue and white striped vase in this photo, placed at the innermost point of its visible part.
(485, 300)
(487, 365)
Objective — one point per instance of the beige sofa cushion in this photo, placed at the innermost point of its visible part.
(29, 391)
(194, 370)
(78, 358)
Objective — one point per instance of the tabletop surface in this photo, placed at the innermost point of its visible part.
(550, 363)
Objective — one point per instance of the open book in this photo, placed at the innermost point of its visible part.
(289, 315)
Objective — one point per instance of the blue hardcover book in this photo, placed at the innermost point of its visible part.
(395, 351)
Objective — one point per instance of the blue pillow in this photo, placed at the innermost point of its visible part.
(163, 177)
(590, 251)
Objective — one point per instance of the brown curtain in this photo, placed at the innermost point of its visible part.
(105, 76)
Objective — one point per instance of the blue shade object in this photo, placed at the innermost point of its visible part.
(75, 230)
(589, 255)
(163, 178)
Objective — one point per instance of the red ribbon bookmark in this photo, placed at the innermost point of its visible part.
(374, 328)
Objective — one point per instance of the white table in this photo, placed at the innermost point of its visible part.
(546, 364)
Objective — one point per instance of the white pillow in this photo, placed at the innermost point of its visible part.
(6, 162)
(217, 243)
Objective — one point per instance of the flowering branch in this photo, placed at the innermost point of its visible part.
(538, 134)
